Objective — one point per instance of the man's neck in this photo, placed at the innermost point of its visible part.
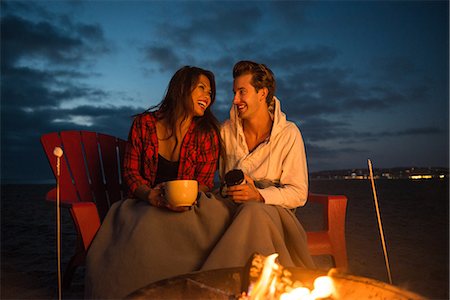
(258, 126)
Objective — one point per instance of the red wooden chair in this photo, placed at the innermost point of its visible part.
(90, 182)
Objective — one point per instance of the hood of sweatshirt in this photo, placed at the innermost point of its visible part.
(278, 118)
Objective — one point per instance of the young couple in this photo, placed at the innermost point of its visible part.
(143, 239)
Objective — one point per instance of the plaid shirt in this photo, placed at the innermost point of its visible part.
(198, 155)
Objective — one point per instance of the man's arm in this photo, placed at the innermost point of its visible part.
(293, 191)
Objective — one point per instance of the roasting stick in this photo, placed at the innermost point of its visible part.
(380, 226)
(58, 152)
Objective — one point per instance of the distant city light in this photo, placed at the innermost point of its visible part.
(411, 173)
(421, 176)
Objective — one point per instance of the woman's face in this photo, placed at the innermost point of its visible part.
(201, 96)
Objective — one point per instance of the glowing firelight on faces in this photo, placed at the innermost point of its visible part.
(323, 285)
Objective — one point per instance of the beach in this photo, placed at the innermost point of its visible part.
(414, 217)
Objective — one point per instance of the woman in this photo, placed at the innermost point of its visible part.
(143, 239)
(182, 123)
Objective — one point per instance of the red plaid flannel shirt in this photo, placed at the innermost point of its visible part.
(198, 156)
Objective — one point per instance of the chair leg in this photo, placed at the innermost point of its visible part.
(339, 253)
(341, 260)
(336, 233)
(77, 260)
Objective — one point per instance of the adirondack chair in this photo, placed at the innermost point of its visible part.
(90, 182)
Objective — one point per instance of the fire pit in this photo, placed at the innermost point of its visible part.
(230, 284)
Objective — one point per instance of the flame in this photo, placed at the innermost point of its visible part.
(297, 293)
(266, 286)
(323, 288)
(267, 280)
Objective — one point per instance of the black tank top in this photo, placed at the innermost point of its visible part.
(167, 170)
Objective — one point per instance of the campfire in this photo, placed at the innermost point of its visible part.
(268, 280)
(263, 278)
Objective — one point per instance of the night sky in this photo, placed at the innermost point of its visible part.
(361, 80)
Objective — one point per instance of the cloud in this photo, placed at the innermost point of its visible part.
(42, 68)
(393, 67)
(173, 43)
(226, 21)
(20, 141)
(289, 13)
(325, 91)
(320, 129)
(64, 44)
(164, 56)
(293, 59)
(427, 130)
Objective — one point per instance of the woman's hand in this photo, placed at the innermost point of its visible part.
(245, 192)
(177, 209)
(157, 198)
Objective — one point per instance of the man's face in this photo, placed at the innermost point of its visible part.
(249, 103)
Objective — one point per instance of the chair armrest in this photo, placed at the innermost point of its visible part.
(87, 221)
(85, 217)
(334, 209)
(51, 197)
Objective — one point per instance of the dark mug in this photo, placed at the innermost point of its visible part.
(232, 177)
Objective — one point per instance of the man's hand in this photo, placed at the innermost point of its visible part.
(245, 192)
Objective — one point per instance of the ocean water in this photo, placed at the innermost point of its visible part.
(414, 217)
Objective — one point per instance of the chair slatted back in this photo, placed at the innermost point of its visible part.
(89, 140)
(111, 167)
(90, 167)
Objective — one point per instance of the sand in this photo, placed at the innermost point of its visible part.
(415, 219)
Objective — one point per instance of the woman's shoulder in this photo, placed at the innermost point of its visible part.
(145, 117)
(204, 135)
(209, 133)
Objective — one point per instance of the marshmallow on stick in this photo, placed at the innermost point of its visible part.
(58, 152)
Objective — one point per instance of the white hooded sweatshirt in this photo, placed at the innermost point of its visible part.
(278, 165)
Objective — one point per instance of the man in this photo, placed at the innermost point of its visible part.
(269, 150)
(262, 143)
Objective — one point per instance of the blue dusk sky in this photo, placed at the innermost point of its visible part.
(361, 79)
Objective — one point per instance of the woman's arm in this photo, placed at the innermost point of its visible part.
(132, 158)
(207, 159)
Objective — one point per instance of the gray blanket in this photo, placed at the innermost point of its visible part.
(138, 244)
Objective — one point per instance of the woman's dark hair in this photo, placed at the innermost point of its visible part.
(177, 102)
(262, 76)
